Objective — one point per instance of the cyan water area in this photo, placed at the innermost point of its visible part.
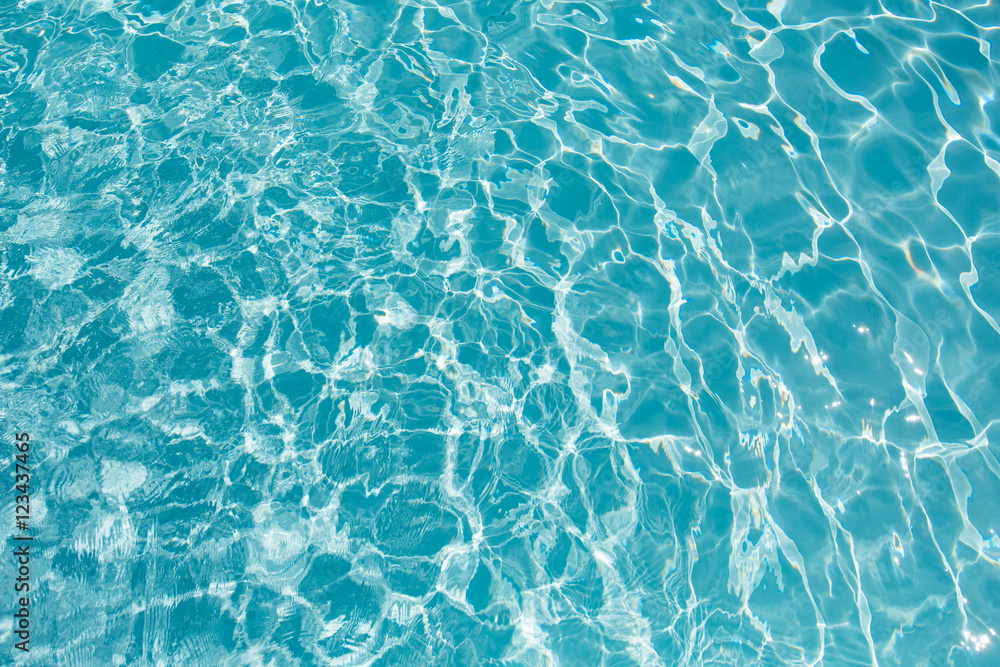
(501, 332)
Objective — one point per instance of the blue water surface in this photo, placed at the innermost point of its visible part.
(502, 332)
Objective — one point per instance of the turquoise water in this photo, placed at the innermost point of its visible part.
(502, 332)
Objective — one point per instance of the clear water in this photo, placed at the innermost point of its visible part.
(503, 333)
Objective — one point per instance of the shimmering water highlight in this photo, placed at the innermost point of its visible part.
(504, 332)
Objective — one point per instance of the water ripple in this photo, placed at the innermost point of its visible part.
(512, 332)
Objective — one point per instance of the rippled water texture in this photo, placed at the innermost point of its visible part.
(503, 332)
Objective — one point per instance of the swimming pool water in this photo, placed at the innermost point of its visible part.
(502, 332)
